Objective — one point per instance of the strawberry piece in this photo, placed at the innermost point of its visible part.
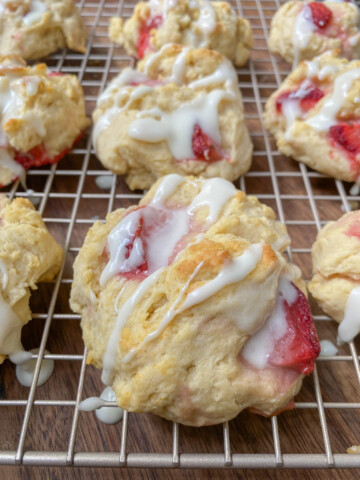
(140, 270)
(143, 43)
(321, 14)
(308, 98)
(354, 230)
(311, 98)
(204, 148)
(281, 99)
(346, 136)
(55, 74)
(299, 347)
(37, 156)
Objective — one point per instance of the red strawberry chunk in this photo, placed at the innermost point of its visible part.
(143, 43)
(346, 136)
(38, 156)
(321, 14)
(307, 98)
(299, 347)
(311, 98)
(140, 269)
(204, 148)
(354, 230)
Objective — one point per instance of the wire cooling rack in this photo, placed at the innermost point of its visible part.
(43, 426)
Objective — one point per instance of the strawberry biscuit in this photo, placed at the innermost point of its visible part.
(42, 116)
(35, 28)
(336, 273)
(193, 23)
(28, 255)
(181, 111)
(303, 30)
(315, 116)
(189, 307)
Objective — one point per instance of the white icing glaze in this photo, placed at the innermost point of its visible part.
(328, 349)
(161, 248)
(25, 370)
(12, 99)
(91, 403)
(109, 415)
(304, 28)
(7, 161)
(164, 237)
(238, 269)
(350, 325)
(326, 117)
(32, 84)
(178, 69)
(34, 199)
(10, 329)
(259, 347)
(106, 119)
(354, 40)
(224, 74)
(104, 182)
(37, 10)
(291, 107)
(204, 25)
(20, 357)
(10, 324)
(355, 189)
(215, 193)
(4, 274)
(161, 7)
(154, 125)
(122, 317)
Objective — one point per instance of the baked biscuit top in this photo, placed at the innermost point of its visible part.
(41, 115)
(192, 23)
(36, 28)
(315, 115)
(336, 272)
(136, 122)
(194, 257)
(28, 255)
(302, 30)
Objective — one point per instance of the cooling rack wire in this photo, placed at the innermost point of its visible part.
(43, 426)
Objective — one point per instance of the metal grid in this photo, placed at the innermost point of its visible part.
(70, 201)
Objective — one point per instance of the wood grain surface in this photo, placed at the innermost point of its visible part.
(300, 197)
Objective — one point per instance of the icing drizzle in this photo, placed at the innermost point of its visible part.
(154, 125)
(233, 272)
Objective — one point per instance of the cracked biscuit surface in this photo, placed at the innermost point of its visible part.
(28, 255)
(33, 29)
(336, 264)
(42, 116)
(181, 112)
(199, 23)
(315, 116)
(303, 30)
(187, 305)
